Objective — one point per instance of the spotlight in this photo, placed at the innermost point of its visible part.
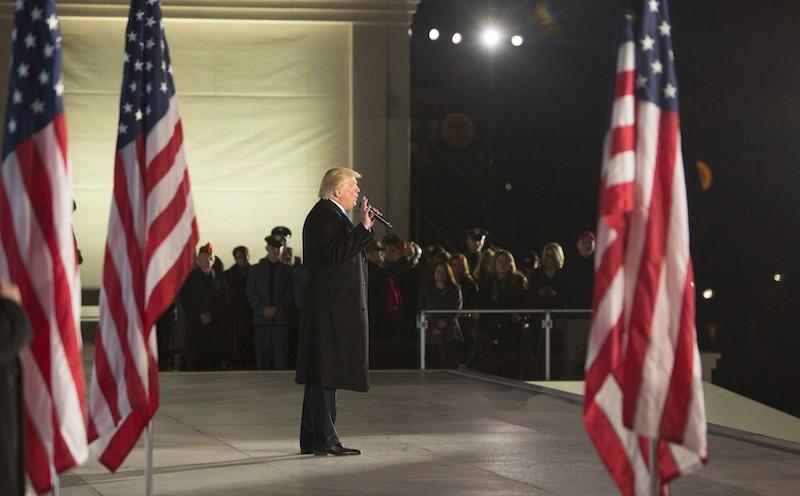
(456, 39)
(777, 277)
(708, 294)
(433, 34)
(516, 40)
(490, 37)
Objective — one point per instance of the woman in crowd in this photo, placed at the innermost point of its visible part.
(444, 332)
(485, 268)
(547, 281)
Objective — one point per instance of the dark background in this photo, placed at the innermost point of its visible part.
(539, 113)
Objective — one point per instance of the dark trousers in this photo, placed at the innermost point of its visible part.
(272, 348)
(318, 423)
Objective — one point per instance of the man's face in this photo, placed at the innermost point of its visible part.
(347, 193)
(394, 252)
(205, 261)
(274, 253)
(242, 258)
(586, 246)
(287, 256)
(473, 245)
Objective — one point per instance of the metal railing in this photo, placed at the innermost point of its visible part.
(547, 325)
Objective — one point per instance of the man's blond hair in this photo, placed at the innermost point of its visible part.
(334, 179)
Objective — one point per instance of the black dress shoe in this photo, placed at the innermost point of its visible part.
(306, 451)
(337, 451)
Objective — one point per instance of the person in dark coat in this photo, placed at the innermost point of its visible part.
(579, 283)
(443, 332)
(475, 239)
(469, 294)
(334, 335)
(240, 314)
(203, 299)
(15, 333)
(269, 290)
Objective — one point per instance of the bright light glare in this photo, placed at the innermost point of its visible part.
(778, 277)
(433, 34)
(516, 40)
(490, 37)
(708, 294)
(456, 39)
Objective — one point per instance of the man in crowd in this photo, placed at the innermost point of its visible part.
(334, 337)
(15, 332)
(476, 237)
(241, 315)
(203, 298)
(269, 290)
(579, 282)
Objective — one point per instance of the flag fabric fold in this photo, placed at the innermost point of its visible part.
(643, 365)
(37, 248)
(152, 233)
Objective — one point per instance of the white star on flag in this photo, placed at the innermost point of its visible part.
(36, 14)
(657, 67)
(664, 29)
(670, 91)
(647, 43)
(48, 50)
(30, 41)
(52, 21)
(37, 106)
(44, 77)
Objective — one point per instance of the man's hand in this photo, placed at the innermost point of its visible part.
(366, 220)
(10, 291)
(206, 318)
(269, 312)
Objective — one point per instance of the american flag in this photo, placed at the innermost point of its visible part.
(37, 250)
(152, 233)
(643, 366)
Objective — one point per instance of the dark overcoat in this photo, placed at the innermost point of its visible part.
(259, 284)
(334, 332)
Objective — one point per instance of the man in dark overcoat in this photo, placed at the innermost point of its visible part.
(334, 335)
(15, 333)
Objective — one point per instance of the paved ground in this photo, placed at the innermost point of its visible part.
(433, 433)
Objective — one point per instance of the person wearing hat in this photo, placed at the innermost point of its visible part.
(203, 298)
(578, 287)
(269, 291)
(475, 239)
(282, 231)
(333, 350)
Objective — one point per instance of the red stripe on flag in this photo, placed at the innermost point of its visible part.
(125, 210)
(164, 292)
(105, 379)
(647, 282)
(168, 218)
(606, 440)
(623, 85)
(137, 397)
(162, 163)
(679, 395)
(36, 456)
(623, 139)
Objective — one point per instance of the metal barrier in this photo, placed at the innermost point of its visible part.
(547, 325)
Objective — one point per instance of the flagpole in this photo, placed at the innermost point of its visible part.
(654, 479)
(56, 485)
(148, 459)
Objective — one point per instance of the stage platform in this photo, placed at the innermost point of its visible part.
(422, 433)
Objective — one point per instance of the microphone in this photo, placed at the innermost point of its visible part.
(373, 213)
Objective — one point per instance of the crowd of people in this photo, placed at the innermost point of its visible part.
(248, 316)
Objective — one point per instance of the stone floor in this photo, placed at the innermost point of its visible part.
(422, 433)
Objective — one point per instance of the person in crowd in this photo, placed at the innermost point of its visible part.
(377, 292)
(469, 294)
(529, 263)
(270, 293)
(485, 268)
(443, 335)
(283, 232)
(15, 333)
(547, 283)
(402, 265)
(165, 332)
(203, 298)
(504, 288)
(288, 257)
(240, 313)
(579, 283)
(475, 239)
(334, 337)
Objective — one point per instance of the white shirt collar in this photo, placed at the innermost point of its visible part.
(338, 205)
